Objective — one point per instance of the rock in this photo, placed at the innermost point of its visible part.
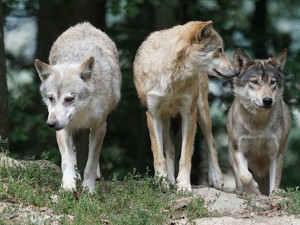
(6, 161)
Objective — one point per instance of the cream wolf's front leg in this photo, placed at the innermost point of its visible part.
(96, 138)
(68, 159)
(188, 135)
(215, 176)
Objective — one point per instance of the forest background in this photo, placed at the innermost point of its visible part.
(262, 27)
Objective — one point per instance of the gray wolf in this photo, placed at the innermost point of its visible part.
(170, 75)
(258, 124)
(80, 87)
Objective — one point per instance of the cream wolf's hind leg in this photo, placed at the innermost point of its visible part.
(155, 126)
(95, 144)
(215, 176)
(169, 149)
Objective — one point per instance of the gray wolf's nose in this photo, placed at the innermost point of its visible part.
(51, 124)
(267, 101)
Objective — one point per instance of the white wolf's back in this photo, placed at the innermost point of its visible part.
(82, 41)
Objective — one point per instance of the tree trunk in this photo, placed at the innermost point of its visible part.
(3, 87)
(259, 28)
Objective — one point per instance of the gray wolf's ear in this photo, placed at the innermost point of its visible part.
(279, 60)
(87, 68)
(205, 30)
(240, 58)
(43, 69)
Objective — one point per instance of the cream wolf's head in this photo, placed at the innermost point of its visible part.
(260, 83)
(206, 50)
(64, 90)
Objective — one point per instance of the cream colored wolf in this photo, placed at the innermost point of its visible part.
(80, 87)
(170, 75)
(258, 124)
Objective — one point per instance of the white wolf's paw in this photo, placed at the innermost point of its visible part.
(215, 178)
(69, 185)
(89, 185)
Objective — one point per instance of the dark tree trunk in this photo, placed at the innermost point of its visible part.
(3, 87)
(259, 29)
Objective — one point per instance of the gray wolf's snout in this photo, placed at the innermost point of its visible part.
(267, 101)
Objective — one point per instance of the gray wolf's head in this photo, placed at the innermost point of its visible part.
(207, 50)
(64, 90)
(260, 83)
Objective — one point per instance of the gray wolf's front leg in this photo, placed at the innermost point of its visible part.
(246, 177)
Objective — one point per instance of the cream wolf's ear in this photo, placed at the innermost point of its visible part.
(240, 58)
(87, 68)
(43, 69)
(279, 60)
(205, 30)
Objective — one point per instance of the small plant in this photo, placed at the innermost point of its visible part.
(293, 200)
(196, 209)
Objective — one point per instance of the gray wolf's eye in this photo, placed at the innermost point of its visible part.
(254, 81)
(69, 99)
(273, 81)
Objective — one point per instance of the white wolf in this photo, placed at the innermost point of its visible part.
(80, 87)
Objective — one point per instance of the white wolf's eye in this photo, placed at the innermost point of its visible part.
(220, 50)
(273, 82)
(51, 98)
(69, 99)
(254, 81)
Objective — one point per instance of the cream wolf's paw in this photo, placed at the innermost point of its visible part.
(215, 178)
(184, 187)
(183, 183)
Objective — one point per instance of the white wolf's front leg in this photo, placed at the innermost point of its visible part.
(95, 144)
(68, 159)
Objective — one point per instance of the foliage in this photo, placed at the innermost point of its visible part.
(136, 200)
(128, 23)
(293, 201)
(196, 209)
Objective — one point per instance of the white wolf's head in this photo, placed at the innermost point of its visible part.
(64, 90)
(260, 83)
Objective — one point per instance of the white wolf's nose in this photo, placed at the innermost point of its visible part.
(51, 124)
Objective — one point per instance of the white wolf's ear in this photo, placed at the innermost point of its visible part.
(43, 69)
(87, 68)
(279, 60)
(240, 58)
(205, 30)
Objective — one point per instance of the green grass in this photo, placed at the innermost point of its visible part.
(293, 200)
(135, 200)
